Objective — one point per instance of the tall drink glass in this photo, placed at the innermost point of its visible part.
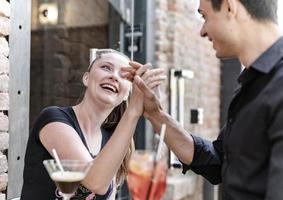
(146, 178)
(69, 179)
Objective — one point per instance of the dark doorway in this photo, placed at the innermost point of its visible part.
(230, 70)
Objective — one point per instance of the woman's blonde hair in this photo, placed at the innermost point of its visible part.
(114, 117)
(100, 52)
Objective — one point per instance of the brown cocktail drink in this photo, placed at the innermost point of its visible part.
(68, 176)
(67, 182)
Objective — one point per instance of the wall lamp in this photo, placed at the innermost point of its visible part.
(48, 13)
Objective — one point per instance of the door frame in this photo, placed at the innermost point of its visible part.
(19, 41)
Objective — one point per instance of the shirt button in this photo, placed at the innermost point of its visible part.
(230, 120)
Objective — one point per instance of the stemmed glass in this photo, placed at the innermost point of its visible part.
(68, 178)
(147, 176)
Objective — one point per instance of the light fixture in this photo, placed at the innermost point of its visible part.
(48, 13)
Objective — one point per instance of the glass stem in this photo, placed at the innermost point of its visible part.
(66, 198)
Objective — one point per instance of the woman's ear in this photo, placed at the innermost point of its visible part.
(85, 79)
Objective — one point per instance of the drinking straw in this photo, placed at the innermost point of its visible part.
(160, 143)
(57, 160)
(132, 28)
(157, 156)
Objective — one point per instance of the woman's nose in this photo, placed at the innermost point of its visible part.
(115, 75)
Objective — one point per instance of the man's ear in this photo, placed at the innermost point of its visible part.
(85, 79)
(232, 7)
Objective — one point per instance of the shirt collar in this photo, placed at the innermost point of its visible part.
(264, 64)
(267, 61)
(247, 75)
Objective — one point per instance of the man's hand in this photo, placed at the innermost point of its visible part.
(151, 102)
(134, 69)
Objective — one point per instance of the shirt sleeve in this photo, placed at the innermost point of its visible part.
(208, 158)
(48, 115)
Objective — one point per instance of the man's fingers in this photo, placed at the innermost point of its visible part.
(138, 68)
(154, 84)
(155, 78)
(128, 73)
(135, 65)
(128, 77)
(149, 65)
(129, 70)
(141, 70)
(143, 87)
(152, 72)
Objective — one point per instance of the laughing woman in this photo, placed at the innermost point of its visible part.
(99, 129)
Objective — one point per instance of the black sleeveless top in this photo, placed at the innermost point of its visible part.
(37, 183)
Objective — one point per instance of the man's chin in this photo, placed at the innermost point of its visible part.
(224, 56)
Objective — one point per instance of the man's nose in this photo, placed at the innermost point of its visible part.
(203, 32)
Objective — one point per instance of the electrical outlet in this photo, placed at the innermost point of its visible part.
(197, 116)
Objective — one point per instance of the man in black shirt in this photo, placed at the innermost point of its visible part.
(247, 156)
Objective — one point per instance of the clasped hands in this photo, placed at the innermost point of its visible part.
(148, 81)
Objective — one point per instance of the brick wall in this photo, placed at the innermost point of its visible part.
(178, 45)
(4, 94)
(57, 65)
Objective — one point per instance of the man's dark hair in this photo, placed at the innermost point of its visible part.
(261, 10)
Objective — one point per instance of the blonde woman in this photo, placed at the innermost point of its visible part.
(98, 129)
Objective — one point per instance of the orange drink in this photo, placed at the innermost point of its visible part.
(158, 185)
(146, 179)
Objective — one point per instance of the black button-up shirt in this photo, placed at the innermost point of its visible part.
(247, 156)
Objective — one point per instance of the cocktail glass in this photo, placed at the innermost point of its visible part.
(68, 180)
(147, 177)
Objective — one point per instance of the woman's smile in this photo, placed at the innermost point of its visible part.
(109, 88)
